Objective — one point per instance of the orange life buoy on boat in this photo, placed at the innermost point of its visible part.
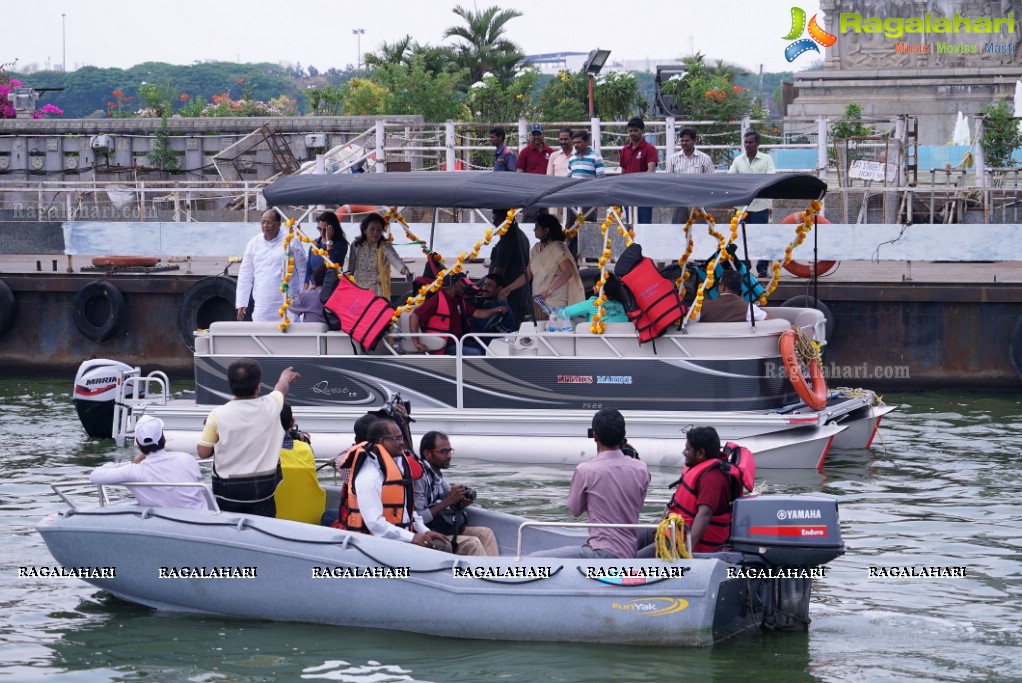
(349, 209)
(815, 398)
(119, 261)
(797, 268)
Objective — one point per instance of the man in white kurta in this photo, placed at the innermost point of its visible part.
(263, 268)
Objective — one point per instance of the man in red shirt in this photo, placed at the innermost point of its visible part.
(638, 156)
(533, 158)
(446, 312)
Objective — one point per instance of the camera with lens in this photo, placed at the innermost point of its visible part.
(470, 496)
(390, 407)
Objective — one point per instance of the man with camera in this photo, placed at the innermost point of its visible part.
(611, 488)
(442, 507)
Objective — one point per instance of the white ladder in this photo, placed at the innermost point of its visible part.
(134, 393)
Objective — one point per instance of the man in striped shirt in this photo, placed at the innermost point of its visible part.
(585, 162)
(688, 160)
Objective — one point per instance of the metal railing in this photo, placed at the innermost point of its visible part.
(104, 499)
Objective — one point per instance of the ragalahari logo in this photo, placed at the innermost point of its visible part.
(816, 35)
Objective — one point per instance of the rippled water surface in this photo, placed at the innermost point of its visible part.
(941, 489)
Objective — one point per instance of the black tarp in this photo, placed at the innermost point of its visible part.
(496, 190)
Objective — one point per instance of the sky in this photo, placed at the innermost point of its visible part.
(121, 33)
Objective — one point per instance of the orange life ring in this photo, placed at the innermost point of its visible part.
(815, 398)
(115, 261)
(349, 209)
(797, 268)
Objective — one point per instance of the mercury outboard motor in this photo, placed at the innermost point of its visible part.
(95, 389)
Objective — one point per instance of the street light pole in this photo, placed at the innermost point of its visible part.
(357, 32)
(63, 43)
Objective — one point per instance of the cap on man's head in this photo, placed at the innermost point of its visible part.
(454, 277)
(149, 431)
(537, 128)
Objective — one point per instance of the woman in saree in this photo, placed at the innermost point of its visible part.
(552, 270)
(371, 257)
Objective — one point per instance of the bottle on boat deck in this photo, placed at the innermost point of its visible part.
(554, 323)
(541, 302)
(563, 321)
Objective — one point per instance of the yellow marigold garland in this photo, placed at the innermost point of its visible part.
(458, 266)
(571, 232)
(690, 245)
(597, 326)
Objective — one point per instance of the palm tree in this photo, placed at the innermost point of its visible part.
(482, 48)
(398, 52)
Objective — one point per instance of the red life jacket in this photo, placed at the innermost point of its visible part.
(362, 314)
(440, 322)
(736, 462)
(657, 303)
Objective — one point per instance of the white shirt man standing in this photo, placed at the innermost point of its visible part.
(263, 268)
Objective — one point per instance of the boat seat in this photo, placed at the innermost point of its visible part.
(238, 337)
(700, 329)
(530, 343)
(433, 342)
(811, 320)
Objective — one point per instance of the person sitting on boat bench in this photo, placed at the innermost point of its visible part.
(703, 497)
(299, 496)
(442, 506)
(447, 313)
(492, 315)
(155, 465)
(246, 434)
(729, 306)
(611, 488)
(379, 498)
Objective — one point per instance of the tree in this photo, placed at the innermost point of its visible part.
(490, 100)
(566, 97)
(1001, 136)
(413, 89)
(483, 49)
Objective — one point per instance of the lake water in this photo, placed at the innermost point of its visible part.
(941, 489)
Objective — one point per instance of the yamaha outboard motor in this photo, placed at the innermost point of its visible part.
(779, 544)
(94, 392)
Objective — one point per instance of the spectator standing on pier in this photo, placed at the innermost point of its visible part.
(688, 160)
(503, 158)
(535, 156)
(755, 162)
(262, 270)
(639, 156)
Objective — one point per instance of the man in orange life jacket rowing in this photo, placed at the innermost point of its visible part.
(446, 313)
(706, 490)
(378, 498)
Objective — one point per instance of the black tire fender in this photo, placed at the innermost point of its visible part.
(8, 307)
(209, 300)
(1015, 347)
(804, 301)
(99, 310)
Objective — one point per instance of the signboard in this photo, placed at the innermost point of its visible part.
(872, 170)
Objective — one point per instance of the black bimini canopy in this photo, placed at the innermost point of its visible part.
(498, 190)
(480, 190)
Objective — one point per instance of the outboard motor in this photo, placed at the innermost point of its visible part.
(94, 393)
(783, 541)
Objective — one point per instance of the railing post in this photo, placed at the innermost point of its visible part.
(671, 136)
(381, 138)
(524, 138)
(449, 156)
(821, 148)
(978, 156)
(594, 133)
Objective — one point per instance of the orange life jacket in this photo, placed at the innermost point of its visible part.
(657, 303)
(397, 495)
(440, 322)
(362, 314)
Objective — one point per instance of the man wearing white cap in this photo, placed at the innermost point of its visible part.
(155, 465)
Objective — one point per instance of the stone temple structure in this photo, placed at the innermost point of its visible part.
(946, 59)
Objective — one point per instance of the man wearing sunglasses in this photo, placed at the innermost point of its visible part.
(379, 494)
(442, 506)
